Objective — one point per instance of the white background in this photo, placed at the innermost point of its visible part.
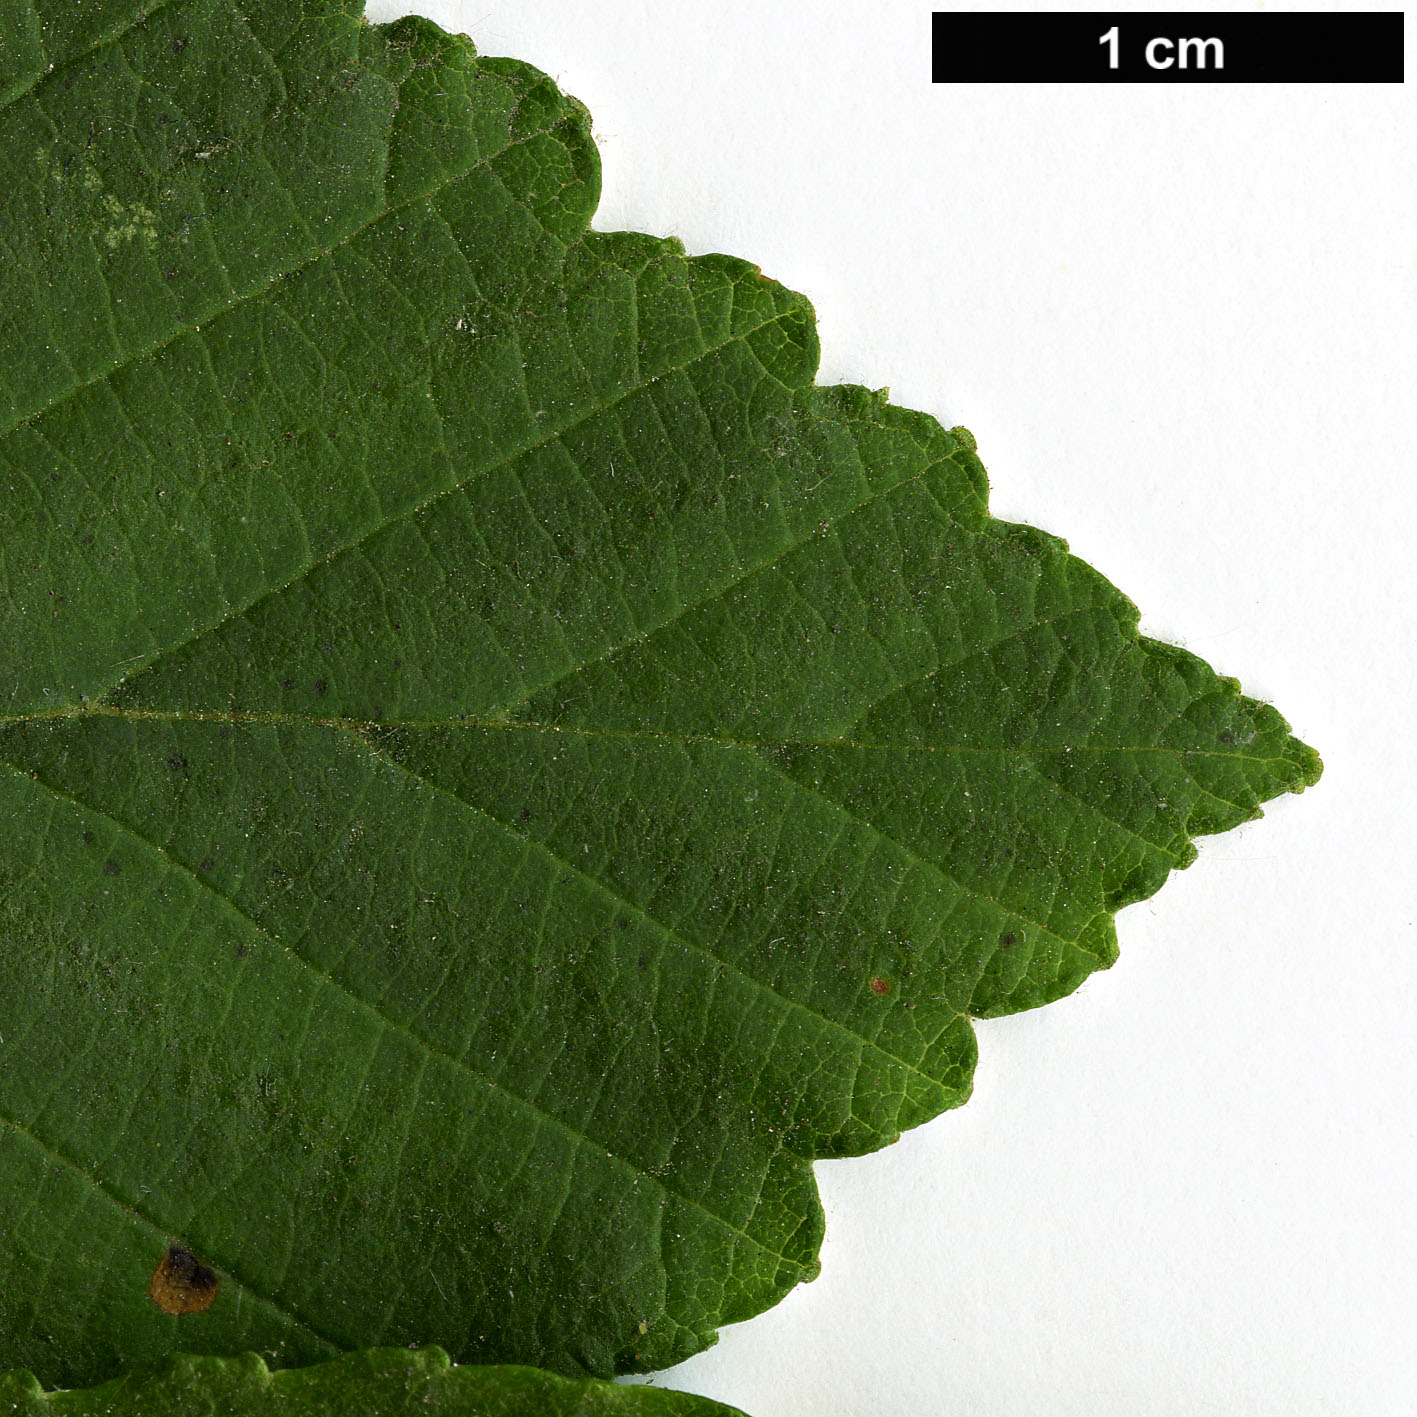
(1179, 319)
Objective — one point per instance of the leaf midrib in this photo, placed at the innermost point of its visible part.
(235, 718)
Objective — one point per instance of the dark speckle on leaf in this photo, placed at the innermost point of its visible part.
(110, 867)
(182, 1284)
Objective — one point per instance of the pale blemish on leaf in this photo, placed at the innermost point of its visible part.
(130, 222)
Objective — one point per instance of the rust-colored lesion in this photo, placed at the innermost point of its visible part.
(182, 1284)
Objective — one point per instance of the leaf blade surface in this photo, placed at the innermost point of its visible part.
(500, 770)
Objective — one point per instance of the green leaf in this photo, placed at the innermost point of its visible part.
(387, 1382)
(499, 770)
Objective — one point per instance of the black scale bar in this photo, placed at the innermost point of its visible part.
(1168, 47)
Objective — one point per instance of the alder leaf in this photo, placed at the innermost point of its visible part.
(391, 1382)
(500, 771)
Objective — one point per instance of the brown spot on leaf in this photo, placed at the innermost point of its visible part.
(110, 867)
(880, 986)
(1008, 939)
(182, 1284)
